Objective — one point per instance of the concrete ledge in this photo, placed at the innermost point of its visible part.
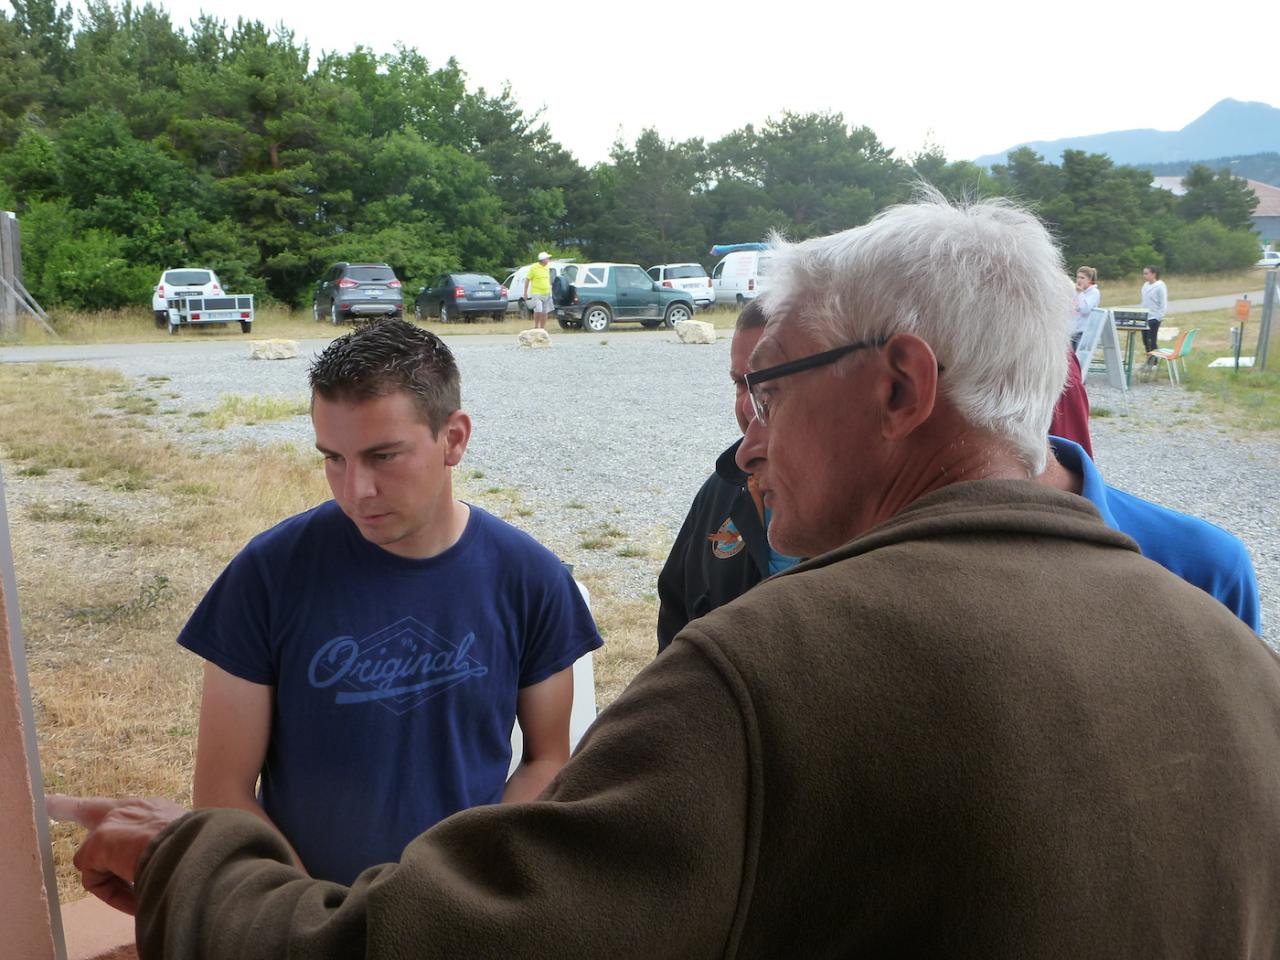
(95, 931)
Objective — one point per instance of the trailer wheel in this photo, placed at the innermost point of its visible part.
(173, 328)
(162, 318)
(246, 326)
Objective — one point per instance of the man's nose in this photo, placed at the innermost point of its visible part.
(358, 481)
(755, 444)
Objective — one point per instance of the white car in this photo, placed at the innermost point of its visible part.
(1270, 258)
(690, 277)
(179, 285)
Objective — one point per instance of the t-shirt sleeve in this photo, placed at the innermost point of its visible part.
(231, 626)
(560, 626)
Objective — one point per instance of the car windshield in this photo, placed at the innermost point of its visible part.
(371, 274)
(474, 280)
(685, 272)
(187, 278)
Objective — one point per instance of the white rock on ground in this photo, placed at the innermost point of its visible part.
(533, 338)
(695, 331)
(273, 349)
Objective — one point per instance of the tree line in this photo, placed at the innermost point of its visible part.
(129, 145)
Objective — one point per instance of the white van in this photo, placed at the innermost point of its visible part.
(515, 285)
(741, 275)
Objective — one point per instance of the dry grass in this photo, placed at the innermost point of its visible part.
(136, 325)
(117, 533)
(1184, 286)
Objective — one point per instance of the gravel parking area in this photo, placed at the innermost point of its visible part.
(618, 431)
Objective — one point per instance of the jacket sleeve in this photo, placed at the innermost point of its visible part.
(642, 846)
(673, 589)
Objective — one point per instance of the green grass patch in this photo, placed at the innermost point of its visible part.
(1247, 401)
(234, 408)
(603, 537)
(34, 470)
(72, 511)
(132, 403)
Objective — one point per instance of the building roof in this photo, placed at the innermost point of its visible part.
(1268, 196)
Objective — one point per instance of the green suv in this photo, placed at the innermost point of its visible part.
(593, 296)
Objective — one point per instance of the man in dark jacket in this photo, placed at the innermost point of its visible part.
(722, 550)
(977, 722)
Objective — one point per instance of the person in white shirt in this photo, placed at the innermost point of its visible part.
(1087, 297)
(1155, 300)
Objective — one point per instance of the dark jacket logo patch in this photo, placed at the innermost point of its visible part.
(726, 542)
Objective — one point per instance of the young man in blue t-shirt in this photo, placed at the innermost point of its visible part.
(366, 659)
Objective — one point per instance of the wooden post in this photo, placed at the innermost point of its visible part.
(30, 922)
(11, 271)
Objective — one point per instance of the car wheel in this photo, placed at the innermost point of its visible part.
(597, 318)
(333, 314)
(315, 310)
(444, 313)
(162, 318)
(417, 312)
(497, 317)
(741, 301)
(677, 313)
(246, 326)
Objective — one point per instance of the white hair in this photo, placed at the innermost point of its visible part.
(982, 283)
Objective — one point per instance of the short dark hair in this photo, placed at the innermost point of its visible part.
(752, 317)
(1155, 271)
(379, 358)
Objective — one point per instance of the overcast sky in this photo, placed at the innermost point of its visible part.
(972, 78)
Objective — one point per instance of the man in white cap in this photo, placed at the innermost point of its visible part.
(537, 289)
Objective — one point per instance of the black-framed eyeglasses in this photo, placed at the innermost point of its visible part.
(761, 406)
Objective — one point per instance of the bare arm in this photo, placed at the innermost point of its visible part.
(235, 728)
(543, 711)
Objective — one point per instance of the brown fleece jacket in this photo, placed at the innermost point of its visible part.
(986, 728)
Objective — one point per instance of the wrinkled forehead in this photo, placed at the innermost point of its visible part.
(780, 341)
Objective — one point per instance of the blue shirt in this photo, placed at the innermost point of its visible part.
(1200, 553)
(395, 679)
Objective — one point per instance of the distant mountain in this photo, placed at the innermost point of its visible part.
(1264, 167)
(1229, 127)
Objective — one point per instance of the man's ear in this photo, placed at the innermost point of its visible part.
(912, 372)
(457, 434)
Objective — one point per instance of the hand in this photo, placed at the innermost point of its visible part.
(119, 832)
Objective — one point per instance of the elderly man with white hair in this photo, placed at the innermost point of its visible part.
(976, 723)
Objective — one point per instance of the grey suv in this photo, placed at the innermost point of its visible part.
(350, 290)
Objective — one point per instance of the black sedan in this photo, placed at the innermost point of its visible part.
(461, 296)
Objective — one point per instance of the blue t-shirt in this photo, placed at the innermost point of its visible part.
(395, 679)
(1200, 553)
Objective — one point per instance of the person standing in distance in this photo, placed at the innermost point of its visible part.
(537, 289)
(1088, 296)
(1155, 300)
